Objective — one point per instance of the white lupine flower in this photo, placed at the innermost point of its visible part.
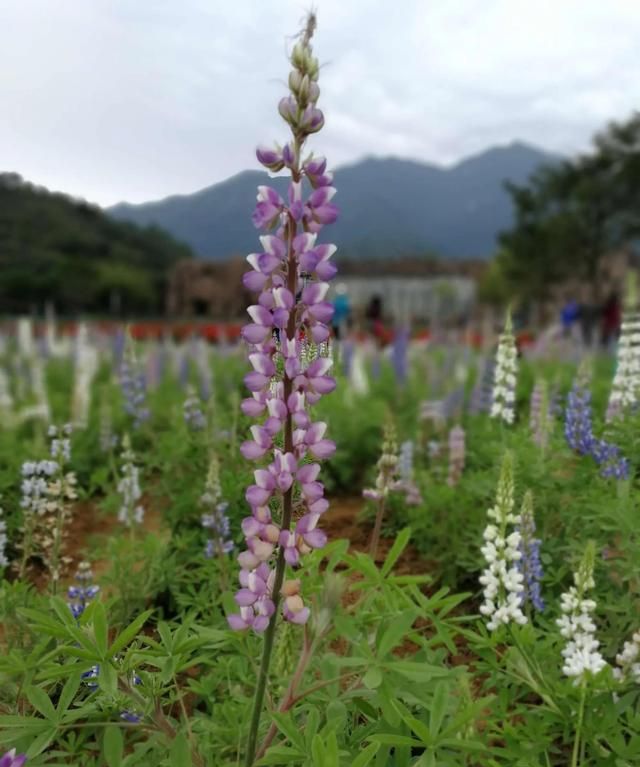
(581, 656)
(501, 580)
(629, 661)
(131, 512)
(625, 390)
(504, 377)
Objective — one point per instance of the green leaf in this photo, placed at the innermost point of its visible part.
(113, 746)
(418, 672)
(365, 757)
(373, 678)
(127, 634)
(68, 692)
(42, 703)
(108, 678)
(438, 707)
(396, 550)
(396, 631)
(288, 727)
(41, 741)
(100, 628)
(180, 752)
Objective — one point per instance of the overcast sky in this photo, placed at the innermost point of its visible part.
(138, 99)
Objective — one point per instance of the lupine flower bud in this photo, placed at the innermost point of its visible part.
(11, 759)
(271, 158)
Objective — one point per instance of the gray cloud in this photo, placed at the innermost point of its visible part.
(138, 99)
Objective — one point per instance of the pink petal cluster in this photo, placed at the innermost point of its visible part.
(289, 324)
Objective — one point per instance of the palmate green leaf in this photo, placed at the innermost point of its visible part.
(41, 702)
(325, 753)
(43, 622)
(128, 633)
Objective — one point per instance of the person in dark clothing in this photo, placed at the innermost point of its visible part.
(373, 316)
(611, 318)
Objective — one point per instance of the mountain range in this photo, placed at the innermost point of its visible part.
(389, 207)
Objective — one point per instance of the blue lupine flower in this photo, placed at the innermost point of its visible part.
(529, 564)
(399, 354)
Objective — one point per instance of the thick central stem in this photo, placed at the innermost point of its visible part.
(285, 522)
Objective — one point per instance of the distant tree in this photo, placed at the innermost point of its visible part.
(53, 248)
(571, 215)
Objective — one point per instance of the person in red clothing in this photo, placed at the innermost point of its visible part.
(611, 317)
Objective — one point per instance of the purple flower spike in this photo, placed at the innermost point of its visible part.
(288, 350)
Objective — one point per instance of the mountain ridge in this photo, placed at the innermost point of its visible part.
(390, 206)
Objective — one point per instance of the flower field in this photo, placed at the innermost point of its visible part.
(290, 548)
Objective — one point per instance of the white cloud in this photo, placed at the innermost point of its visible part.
(131, 99)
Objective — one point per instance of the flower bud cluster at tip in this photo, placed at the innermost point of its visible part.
(387, 465)
(287, 339)
(194, 417)
(502, 580)
(539, 413)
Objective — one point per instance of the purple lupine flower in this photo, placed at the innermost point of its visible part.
(192, 412)
(134, 389)
(456, 455)
(529, 563)
(578, 427)
(480, 401)
(348, 351)
(291, 315)
(216, 521)
(453, 403)
(79, 596)
(407, 483)
(11, 759)
(399, 353)
(539, 413)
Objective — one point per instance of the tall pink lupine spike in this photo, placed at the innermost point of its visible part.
(289, 316)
